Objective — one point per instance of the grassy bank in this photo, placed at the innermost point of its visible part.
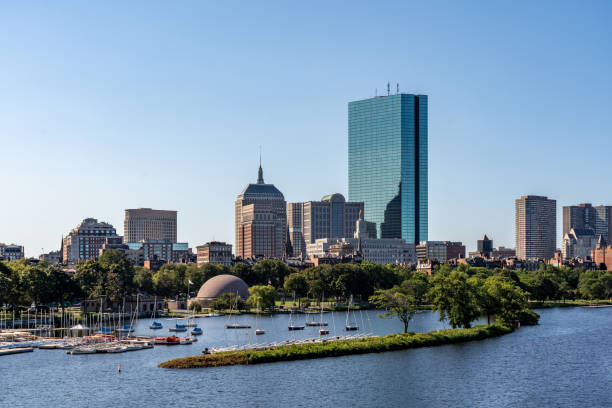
(336, 348)
(567, 303)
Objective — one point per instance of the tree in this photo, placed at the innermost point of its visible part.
(9, 285)
(228, 301)
(489, 304)
(269, 271)
(397, 302)
(454, 298)
(417, 286)
(120, 274)
(36, 285)
(143, 279)
(511, 299)
(296, 284)
(262, 296)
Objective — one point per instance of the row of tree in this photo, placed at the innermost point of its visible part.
(459, 299)
(22, 283)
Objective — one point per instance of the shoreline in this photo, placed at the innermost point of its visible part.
(336, 348)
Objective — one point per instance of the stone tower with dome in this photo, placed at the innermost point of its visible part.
(260, 221)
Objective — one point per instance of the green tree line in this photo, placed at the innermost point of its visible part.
(23, 283)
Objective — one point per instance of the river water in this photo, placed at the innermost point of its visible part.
(565, 361)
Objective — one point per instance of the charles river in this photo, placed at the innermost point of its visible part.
(565, 361)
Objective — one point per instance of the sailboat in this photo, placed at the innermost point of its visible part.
(350, 326)
(236, 325)
(155, 325)
(258, 331)
(292, 326)
(322, 332)
(197, 331)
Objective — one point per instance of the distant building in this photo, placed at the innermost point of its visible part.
(154, 264)
(376, 250)
(260, 221)
(217, 253)
(502, 252)
(114, 243)
(387, 163)
(86, 240)
(602, 254)
(332, 217)
(175, 252)
(148, 224)
(441, 251)
(585, 216)
(536, 227)
(485, 246)
(578, 243)
(381, 251)
(53, 257)
(11, 252)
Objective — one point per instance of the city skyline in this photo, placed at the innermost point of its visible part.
(165, 113)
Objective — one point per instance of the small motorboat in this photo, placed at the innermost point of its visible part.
(296, 327)
(260, 331)
(168, 341)
(186, 340)
(197, 331)
(316, 324)
(178, 328)
(323, 332)
(156, 325)
(82, 350)
(237, 326)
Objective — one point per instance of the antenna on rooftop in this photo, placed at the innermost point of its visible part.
(397, 89)
(375, 92)
(388, 89)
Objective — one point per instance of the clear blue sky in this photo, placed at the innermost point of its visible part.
(109, 105)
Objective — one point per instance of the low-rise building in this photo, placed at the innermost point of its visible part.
(11, 252)
(53, 257)
(175, 252)
(217, 253)
(441, 251)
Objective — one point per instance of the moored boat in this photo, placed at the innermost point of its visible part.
(178, 328)
(296, 327)
(168, 341)
(197, 331)
(156, 325)
(237, 326)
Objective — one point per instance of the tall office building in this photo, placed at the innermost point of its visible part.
(332, 217)
(147, 224)
(387, 163)
(260, 221)
(536, 227)
(585, 216)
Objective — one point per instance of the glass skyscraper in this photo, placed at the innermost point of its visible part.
(387, 163)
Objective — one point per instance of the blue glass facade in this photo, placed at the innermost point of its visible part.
(388, 163)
